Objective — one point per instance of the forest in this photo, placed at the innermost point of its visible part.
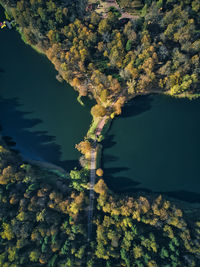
(43, 222)
(43, 216)
(157, 51)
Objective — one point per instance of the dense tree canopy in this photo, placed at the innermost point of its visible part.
(156, 50)
(44, 223)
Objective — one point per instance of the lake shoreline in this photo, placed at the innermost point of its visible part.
(102, 136)
(45, 165)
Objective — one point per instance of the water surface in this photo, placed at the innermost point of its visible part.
(40, 114)
(155, 145)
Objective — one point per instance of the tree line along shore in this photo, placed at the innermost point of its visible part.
(156, 51)
(43, 222)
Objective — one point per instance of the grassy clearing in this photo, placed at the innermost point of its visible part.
(80, 100)
(92, 129)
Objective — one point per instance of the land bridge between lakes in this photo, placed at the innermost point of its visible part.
(93, 174)
(93, 161)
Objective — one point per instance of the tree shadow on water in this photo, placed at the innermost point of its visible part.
(136, 106)
(188, 196)
(36, 145)
(108, 142)
(8, 140)
(109, 158)
(114, 176)
(127, 185)
(121, 184)
(114, 170)
(118, 183)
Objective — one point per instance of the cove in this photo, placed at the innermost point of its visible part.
(37, 112)
(154, 146)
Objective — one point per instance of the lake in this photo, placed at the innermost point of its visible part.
(40, 114)
(154, 145)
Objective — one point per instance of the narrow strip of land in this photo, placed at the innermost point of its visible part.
(92, 183)
(99, 129)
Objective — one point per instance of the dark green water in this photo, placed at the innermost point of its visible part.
(40, 114)
(155, 145)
